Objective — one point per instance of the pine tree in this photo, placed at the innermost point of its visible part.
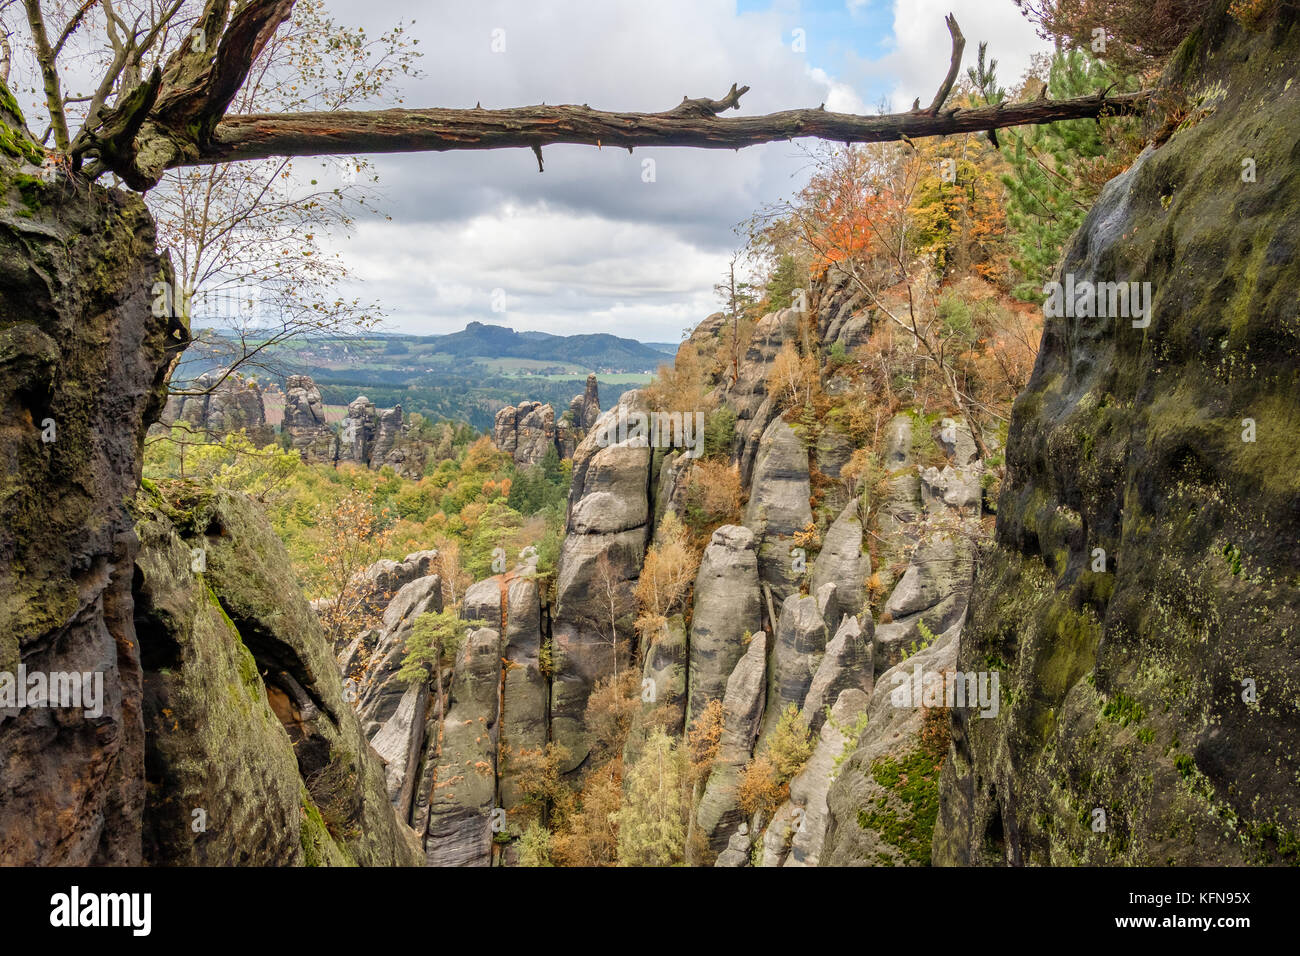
(1050, 187)
(435, 636)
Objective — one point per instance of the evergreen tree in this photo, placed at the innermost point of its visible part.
(435, 637)
(785, 278)
(1051, 186)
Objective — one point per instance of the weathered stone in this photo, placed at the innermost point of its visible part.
(604, 545)
(742, 709)
(357, 431)
(220, 403)
(524, 722)
(399, 743)
(842, 562)
(778, 505)
(464, 786)
(810, 785)
(779, 833)
(956, 489)
(737, 852)
(1127, 684)
(80, 348)
(581, 416)
(380, 691)
(747, 395)
(663, 687)
(388, 428)
(847, 664)
(796, 653)
(934, 591)
(304, 420)
(525, 431)
(874, 823)
(727, 607)
(244, 711)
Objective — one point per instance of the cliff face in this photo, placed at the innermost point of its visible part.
(221, 734)
(1141, 598)
(82, 361)
(223, 407)
(368, 436)
(530, 429)
(252, 754)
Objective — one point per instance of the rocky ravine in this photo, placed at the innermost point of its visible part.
(1157, 687)
(764, 634)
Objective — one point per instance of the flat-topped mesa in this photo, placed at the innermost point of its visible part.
(528, 430)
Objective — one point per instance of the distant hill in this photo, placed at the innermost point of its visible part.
(668, 348)
(591, 351)
(466, 375)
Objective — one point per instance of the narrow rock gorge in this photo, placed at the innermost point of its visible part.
(851, 627)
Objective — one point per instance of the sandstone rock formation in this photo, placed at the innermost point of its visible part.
(369, 436)
(573, 425)
(742, 710)
(219, 403)
(606, 535)
(246, 726)
(463, 791)
(81, 350)
(727, 609)
(304, 420)
(1132, 442)
(778, 506)
(527, 431)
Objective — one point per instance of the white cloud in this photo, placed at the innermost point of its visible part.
(922, 44)
(587, 245)
(560, 271)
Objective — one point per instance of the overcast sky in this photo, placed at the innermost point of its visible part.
(588, 246)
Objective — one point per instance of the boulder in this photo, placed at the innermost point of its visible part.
(737, 852)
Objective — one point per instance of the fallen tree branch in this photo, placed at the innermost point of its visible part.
(436, 130)
(178, 121)
(958, 45)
